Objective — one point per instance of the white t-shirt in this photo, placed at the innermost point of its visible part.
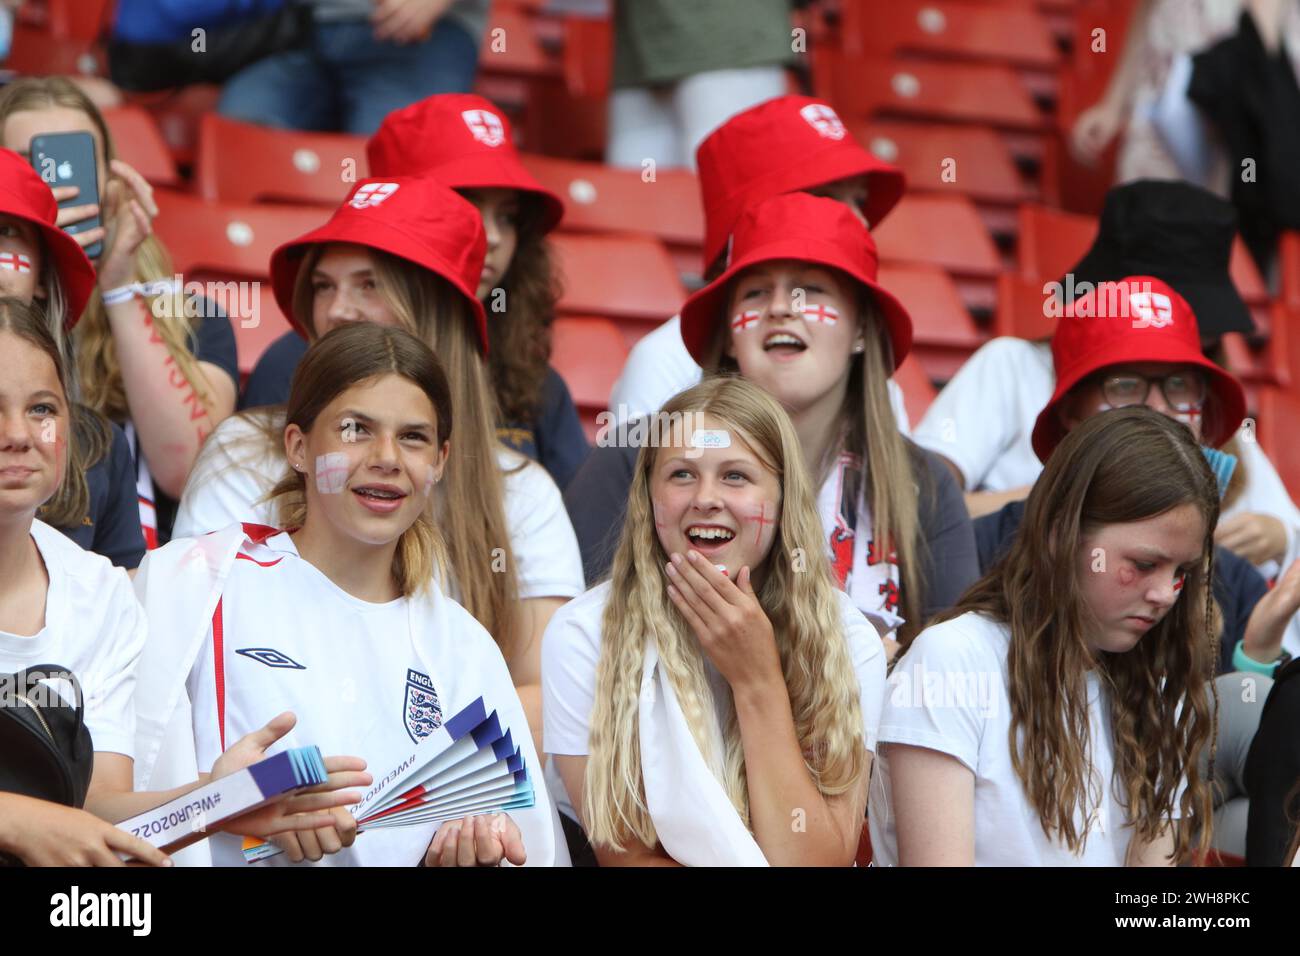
(571, 651)
(658, 367)
(360, 679)
(984, 418)
(949, 693)
(94, 627)
(234, 471)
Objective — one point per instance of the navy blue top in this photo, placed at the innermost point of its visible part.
(1237, 585)
(555, 440)
(112, 526)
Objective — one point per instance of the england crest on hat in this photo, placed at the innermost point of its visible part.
(486, 126)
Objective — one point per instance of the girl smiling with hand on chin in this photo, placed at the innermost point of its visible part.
(719, 685)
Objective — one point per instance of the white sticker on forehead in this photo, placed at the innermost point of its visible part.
(711, 438)
(332, 472)
(15, 262)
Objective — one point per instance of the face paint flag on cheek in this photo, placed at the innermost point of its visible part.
(15, 262)
(430, 479)
(331, 472)
(821, 313)
(1178, 585)
(739, 323)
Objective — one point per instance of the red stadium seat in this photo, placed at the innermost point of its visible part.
(630, 279)
(244, 162)
(1022, 308)
(1051, 241)
(1288, 254)
(600, 198)
(228, 247)
(253, 313)
(1010, 33)
(589, 353)
(944, 231)
(876, 86)
(968, 160)
(513, 45)
(943, 332)
(140, 143)
(227, 238)
(79, 19)
(918, 390)
(588, 55)
(981, 166)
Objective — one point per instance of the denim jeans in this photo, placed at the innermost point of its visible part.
(344, 80)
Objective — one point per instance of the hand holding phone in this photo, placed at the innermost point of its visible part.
(66, 161)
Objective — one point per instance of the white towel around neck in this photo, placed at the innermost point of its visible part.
(695, 820)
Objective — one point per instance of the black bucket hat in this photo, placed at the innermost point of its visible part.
(1179, 233)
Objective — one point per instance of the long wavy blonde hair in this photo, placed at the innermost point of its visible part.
(99, 373)
(894, 475)
(1120, 466)
(798, 595)
(471, 518)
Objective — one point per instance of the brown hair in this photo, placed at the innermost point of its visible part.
(474, 527)
(98, 371)
(1101, 474)
(355, 353)
(519, 337)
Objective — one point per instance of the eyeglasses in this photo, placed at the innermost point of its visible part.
(1183, 391)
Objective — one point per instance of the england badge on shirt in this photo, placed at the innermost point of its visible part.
(485, 126)
(421, 710)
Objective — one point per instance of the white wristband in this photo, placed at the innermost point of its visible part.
(124, 293)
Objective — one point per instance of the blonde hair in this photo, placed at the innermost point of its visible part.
(797, 594)
(98, 372)
(473, 524)
(892, 466)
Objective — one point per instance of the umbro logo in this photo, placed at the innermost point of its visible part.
(270, 657)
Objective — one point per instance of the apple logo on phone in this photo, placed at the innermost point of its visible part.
(64, 170)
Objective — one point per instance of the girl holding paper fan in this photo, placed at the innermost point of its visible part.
(72, 610)
(341, 617)
(716, 701)
(408, 253)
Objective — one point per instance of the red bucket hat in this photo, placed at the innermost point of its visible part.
(415, 218)
(24, 195)
(461, 139)
(803, 227)
(1137, 319)
(783, 145)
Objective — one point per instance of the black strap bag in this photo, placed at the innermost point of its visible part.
(45, 749)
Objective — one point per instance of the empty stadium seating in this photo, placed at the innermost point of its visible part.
(243, 162)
